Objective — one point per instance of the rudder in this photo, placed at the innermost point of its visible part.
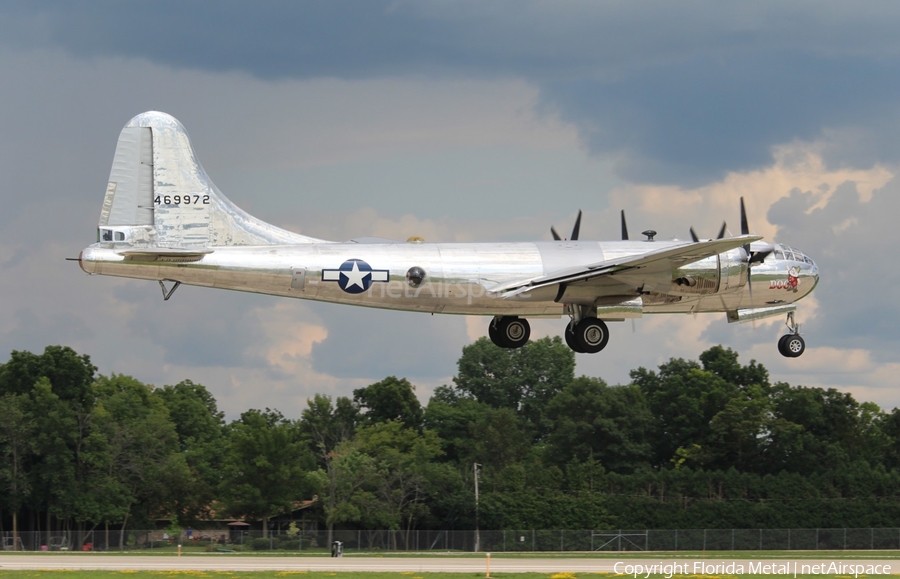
(160, 196)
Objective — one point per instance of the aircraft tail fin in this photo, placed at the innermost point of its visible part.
(159, 195)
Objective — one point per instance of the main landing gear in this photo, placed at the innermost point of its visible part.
(584, 334)
(791, 345)
(587, 336)
(509, 331)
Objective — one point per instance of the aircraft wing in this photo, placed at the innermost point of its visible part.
(666, 259)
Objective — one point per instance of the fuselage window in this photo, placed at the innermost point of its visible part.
(120, 236)
(106, 234)
(779, 254)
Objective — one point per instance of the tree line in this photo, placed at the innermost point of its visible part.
(693, 444)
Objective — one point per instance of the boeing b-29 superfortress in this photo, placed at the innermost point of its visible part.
(163, 219)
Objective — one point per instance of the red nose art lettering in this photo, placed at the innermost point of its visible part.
(789, 284)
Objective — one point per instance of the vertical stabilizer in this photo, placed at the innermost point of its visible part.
(159, 195)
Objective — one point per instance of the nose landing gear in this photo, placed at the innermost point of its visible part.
(791, 345)
(509, 331)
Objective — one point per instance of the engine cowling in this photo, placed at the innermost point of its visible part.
(719, 274)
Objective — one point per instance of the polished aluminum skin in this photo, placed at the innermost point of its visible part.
(163, 219)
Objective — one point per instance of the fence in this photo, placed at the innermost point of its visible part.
(462, 541)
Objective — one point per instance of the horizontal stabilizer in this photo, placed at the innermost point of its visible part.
(165, 254)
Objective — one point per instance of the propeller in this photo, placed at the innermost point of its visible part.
(575, 230)
(760, 254)
(720, 236)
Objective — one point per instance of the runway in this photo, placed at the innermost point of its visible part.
(227, 562)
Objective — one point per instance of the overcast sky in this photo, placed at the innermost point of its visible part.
(455, 121)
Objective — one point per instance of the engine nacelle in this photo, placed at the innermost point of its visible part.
(719, 274)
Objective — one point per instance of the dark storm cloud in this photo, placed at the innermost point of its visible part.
(694, 120)
(679, 91)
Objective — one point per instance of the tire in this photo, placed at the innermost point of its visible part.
(513, 332)
(592, 335)
(794, 346)
(782, 348)
(569, 335)
(494, 334)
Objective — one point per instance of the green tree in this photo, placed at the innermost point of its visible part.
(16, 443)
(136, 467)
(71, 376)
(265, 466)
(402, 458)
(684, 398)
(723, 362)
(452, 418)
(739, 430)
(523, 379)
(593, 421)
(61, 467)
(324, 427)
(347, 487)
(391, 399)
(200, 427)
(500, 438)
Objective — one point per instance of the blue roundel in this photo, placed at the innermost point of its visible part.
(355, 277)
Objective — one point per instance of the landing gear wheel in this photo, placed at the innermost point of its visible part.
(569, 335)
(791, 345)
(509, 331)
(781, 348)
(494, 335)
(591, 335)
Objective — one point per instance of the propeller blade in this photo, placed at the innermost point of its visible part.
(694, 236)
(577, 227)
(624, 227)
(745, 228)
(760, 255)
(722, 231)
(555, 234)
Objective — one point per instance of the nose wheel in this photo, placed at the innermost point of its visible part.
(791, 345)
(509, 331)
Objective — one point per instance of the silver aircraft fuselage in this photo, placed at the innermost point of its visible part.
(458, 276)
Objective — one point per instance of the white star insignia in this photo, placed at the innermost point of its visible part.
(355, 277)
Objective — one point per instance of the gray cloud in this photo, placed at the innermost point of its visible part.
(364, 343)
(681, 92)
(693, 121)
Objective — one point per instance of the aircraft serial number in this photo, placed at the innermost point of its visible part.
(182, 200)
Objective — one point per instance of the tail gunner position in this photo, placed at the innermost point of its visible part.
(163, 219)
